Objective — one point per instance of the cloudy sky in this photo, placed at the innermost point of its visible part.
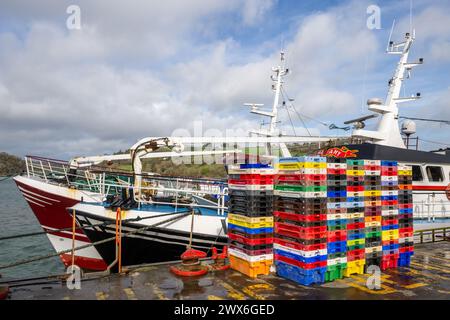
(138, 68)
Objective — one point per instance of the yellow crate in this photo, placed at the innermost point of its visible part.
(238, 217)
(389, 235)
(404, 172)
(355, 242)
(315, 165)
(372, 193)
(290, 166)
(354, 267)
(355, 172)
(252, 225)
(251, 269)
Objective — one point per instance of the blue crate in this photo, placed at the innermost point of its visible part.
(388, 252)
(390, 227)
(336, 222)
(249, 230)
(405, 211)
(389, 198)
(337, 205)
(297, 257)
(336, 194)
(386, 163)
(253, 166)
(361, 235)
(355, 199)
(301, 276)
(404, 259)
(335, 247)
(389, 183)
(391, 246)
(359, 204)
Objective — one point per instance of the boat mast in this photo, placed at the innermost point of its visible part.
(388, 131)
(279, 72)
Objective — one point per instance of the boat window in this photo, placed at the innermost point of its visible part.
(417, 173)
(434, 173)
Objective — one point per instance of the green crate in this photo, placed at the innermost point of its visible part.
(301, 188)
(356, 247)
(335, 272)
(335, 228)
(335, 255)
(373, 234)
(355, 162)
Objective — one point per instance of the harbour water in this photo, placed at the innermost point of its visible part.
(16, 217)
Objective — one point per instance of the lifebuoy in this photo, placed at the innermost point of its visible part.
(447, 192)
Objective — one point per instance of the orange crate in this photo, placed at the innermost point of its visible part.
(373, 218)
(250, 269)
(405, 186)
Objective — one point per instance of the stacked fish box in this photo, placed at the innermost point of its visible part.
(389, 222)
(300, 239)
(355, 222)
(250, 219)
(373, 212)
(336, 218)
(405, 210)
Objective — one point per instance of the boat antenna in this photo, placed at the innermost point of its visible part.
(390, 42)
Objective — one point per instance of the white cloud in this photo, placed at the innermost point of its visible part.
(254, 10)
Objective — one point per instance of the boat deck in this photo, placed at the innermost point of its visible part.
(428, 277)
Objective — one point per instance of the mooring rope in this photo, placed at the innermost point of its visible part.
(24, 261)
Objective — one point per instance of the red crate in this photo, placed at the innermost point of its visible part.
(337, 211)
(302, 265)
(389, 222)
(252, 242)
(300, 217)
(389, 242)
(336, 171)
(389, 263)
(358, 254)
(354, 226)
(299, 177)
(405, 205)
(406, 230)
(337, 235)
(406, 249)
(388, 171)
(355, 178)
(355, 188)
(389, 202)
(372, 167)
(299, 246)
(300, 232)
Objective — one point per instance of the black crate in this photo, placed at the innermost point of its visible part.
(405, 192)
(373, 229)
(373, 242)
(336, 183)
(250, 247)
(389, 188)
(305, 224)
(355, 210)
(336, 177)
(405, 225)
(336, 255)
(407, 244)
(337, 188)
(301, 241)
(393, 207)
(337, 199)
(355, 220)
(336, 160)
(372, 187)
(250, 193)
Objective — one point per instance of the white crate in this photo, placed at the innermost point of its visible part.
(337, 205)
(374, 249)
(352, 194)
(249, 258)
(306, 254)
(373, 224)
(407, 239)
(389, 212)
(337, 216)
(372, 162)
(251, 187)
(389, 178)
(372, 172)
(335, 261)
(337, 166)
(300, 194)
(389, 192)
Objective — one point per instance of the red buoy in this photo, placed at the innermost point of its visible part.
(4, 291)
(219, 263)
(190, 265)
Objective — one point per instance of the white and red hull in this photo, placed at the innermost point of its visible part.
(49, 203)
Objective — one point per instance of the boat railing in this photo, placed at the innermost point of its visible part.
(432, 235)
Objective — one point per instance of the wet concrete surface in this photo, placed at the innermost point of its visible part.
(428, 277)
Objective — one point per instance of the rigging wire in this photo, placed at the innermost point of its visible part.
(425, 119)
(434, 142)
(283, 93)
